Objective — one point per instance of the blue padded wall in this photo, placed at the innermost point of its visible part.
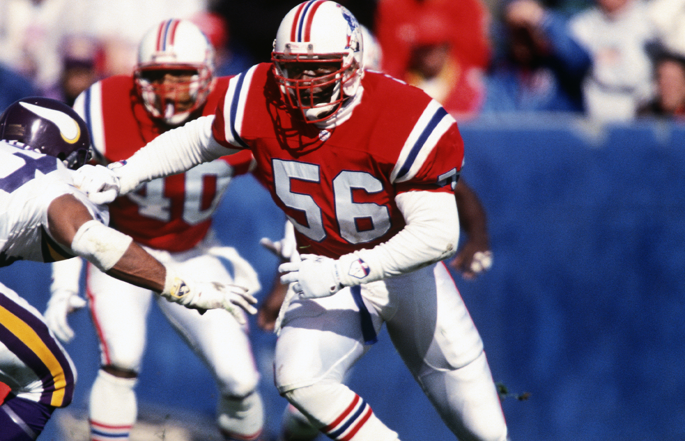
(582, 309)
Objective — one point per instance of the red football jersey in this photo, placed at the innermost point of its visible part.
(338, 185)
(172, 213)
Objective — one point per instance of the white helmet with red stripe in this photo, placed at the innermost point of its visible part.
(178, 51)
(318, 58)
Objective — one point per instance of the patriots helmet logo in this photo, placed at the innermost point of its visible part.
(352, 40)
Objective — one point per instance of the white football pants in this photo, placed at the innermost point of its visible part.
(119, 313)
(432, 331)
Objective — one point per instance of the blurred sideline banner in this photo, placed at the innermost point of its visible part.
(583, 307)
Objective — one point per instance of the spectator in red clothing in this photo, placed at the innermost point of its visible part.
(441, 46)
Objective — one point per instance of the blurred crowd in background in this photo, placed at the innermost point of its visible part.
(609, 60)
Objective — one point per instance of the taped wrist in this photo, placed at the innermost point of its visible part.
(175, 289)
(126, 178)
(100, 245)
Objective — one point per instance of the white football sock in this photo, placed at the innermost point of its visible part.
(340, 413)
(241, 419)
(113, 408)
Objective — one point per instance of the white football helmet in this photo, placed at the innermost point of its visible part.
(373, 54)
(318, 58)
(174, 47)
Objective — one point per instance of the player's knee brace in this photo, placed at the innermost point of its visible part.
(241, 418)
(22, 419)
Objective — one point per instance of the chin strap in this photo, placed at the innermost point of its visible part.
(344, 113)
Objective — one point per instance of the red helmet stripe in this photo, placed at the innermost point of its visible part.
(293, 31)
(310, 18)
(166, 35)
(160, 34)
(172, 34)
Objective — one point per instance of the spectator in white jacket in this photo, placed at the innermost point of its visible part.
(615, 33)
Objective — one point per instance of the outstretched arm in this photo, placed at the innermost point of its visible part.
(71, 224)
(117, 254)
(170, 153)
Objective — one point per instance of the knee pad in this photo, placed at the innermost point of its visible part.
(241, 418)
(238, 384)
(321, 402)
(123, 359)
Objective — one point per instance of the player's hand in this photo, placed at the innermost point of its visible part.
(60, 305)
(472, 261)
(285, 248)
(99, 183)
(211, 295)
(314, 276)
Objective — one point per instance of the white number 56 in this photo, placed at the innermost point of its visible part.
(347, 212)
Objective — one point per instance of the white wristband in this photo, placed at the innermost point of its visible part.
(100, 245)
(353, 270)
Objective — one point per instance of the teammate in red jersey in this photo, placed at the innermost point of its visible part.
(45, 218)
(364, 166)
(171, 217)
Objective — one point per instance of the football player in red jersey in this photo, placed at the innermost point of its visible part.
(364, 166)
(171, 217)
(473, 258)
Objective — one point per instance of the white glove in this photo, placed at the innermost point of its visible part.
(314, 276)
(99, 183)
(285, 248)
(209, 295)
(60, 305)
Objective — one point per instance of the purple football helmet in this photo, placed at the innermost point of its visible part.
(47, 126)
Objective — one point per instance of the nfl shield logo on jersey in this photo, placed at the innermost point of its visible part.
(324, 135)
